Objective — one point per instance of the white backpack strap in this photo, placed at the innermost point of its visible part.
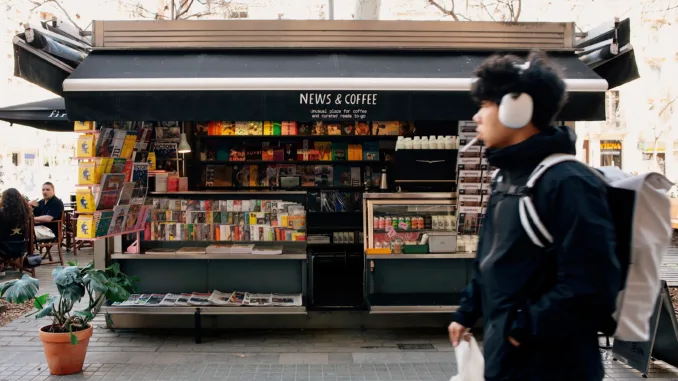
(526, 208)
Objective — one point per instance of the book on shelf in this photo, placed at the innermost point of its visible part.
(218, 249)
(191, 251)
(267, 250)
(161, 251)
(241, 249)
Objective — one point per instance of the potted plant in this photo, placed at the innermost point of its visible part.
(65, 341)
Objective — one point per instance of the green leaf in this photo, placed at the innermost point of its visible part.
(116, 293)
(69, 283)
(48, 309)
(114, 268)
(85, 315)
(41, 301)
(97, 280)
(74, 340)
(71, 263)
(21, 290)
(66, 276)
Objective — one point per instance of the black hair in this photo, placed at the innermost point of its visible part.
(48, 183)
(499, 75)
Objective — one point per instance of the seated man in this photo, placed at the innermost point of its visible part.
(48, 209)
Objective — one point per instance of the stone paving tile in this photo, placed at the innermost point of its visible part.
(277, 372)
(248, 355)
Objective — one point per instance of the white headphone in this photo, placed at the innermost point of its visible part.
(515, 109)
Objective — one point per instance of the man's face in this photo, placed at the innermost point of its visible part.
(47, 192)
(490, 130)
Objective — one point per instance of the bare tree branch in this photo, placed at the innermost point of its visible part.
(501, 8)
(442, 9)
(38, 4)
(666, 106)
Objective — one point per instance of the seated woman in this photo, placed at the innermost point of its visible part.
(15, 218)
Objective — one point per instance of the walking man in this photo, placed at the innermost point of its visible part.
(542, 308)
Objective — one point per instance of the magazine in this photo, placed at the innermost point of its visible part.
(237, 298)
(219, 298)
(143, 298)
(155, 300)
(199, 299)
(257, 299)
(170, 299)
(183, 300)
(132, 300)
(286, 300)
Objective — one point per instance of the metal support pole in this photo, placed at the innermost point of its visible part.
(330, 5)
(99, 249)
(197, 326)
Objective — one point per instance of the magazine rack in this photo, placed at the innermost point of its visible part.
(193, 271)
(111, 188)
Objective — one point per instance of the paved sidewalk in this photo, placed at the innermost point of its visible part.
(248, 355)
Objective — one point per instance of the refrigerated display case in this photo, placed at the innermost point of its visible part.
(415, 261)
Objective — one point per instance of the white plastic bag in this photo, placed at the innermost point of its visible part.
(470, 361)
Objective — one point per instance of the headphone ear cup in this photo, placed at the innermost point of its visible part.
(516, 111)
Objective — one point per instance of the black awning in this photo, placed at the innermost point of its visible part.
(39, 67)
(154, 85)
(608, 51)
(46, 58)
(49, 115)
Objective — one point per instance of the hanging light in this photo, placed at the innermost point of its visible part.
(183, 147)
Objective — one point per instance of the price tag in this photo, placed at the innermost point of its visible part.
(390, 232)
(402, 225)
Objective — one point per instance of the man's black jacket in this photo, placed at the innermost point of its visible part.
(552, 301)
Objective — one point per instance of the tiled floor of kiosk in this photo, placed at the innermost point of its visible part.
(349, 355)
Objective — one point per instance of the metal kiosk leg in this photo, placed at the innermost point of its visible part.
(197, 326)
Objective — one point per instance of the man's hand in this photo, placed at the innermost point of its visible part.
(33, 203)
(457, 332)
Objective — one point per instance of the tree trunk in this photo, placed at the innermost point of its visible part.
(367, 9)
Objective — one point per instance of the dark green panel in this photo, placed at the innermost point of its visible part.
(420, 275)
(281, 276)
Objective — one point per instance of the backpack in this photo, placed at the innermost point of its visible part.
(640, 209)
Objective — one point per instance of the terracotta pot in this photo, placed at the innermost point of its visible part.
(62, 356)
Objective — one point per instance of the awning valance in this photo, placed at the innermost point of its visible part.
(49, 115)
(270, 85)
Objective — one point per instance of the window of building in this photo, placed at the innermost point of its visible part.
(15, 158)
(611, 153)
